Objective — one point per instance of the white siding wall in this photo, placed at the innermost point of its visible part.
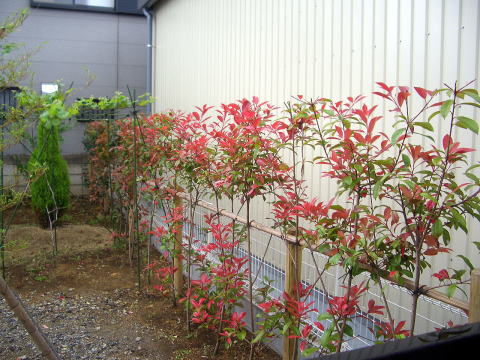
(214, 51)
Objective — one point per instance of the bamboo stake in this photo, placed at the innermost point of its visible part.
(131, 233)
(17, 307)
(474, 311)
(177, 259)
(293, 276)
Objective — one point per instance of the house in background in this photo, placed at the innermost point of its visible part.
(218, 51)
(78, 38)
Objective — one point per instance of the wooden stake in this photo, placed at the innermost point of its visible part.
(293, 276)
(474, 307)
(177, 259)
(17, 307)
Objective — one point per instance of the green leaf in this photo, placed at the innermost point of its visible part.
(335, 259)
(471, 104)
(309, 351)
(348, 330)
(445, 108)
(473, 93)
(446, 237)
(259, 337)
(451, 290)
(325, 339)
(324, 316)
(379, 184)
(347, 180)
(459, 220)
(458, 274)
(477, 244)
(241, 335)
(410, 184)
(358, 167)
(397, 134)
(427, 196)
(467, 123)
(425, 125)
(473, 177)
(406, 160)
(406, 272)
(467, 261)
(437, 229)
(432, 115)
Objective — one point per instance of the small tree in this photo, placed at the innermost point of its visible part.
(51, 191)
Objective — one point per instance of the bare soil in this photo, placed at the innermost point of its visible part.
(132, 324)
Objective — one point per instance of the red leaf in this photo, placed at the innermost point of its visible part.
(398, 329)
(374, 309)
(359, 138)
(422, 92)
(303, 345)
(402, 96)
(436, 104)
(306, 331)
(387, 213)
(381, 94)
(442, 275)
(447, 141)
(431, 241)
(385, 87)
(431, 252)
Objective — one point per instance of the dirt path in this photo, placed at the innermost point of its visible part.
(89, 306)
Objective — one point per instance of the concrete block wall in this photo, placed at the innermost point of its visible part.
(77, 169)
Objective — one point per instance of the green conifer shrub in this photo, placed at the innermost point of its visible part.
(50, 191)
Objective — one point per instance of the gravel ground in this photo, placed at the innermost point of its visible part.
(93, 326)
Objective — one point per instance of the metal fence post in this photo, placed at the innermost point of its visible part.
(293, 276)
(474, 307)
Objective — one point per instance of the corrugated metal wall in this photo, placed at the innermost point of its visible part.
(213, 51)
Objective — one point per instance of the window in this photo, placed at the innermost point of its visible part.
(49, 88)
(101, 3)
(58, 2)
(112, 6)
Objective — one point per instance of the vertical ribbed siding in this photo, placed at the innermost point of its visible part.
(213, 51)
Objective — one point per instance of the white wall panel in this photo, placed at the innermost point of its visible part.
(213, 51)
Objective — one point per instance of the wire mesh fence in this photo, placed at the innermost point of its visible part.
(268, 262)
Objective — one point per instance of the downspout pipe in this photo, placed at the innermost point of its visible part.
(148, 14)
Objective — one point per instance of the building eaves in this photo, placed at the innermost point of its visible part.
(147, 4)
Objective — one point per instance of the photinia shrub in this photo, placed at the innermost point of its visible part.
(401, 195)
